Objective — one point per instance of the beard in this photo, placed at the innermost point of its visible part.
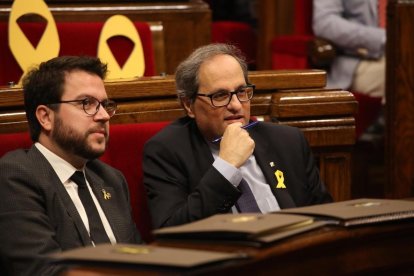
(71, 141)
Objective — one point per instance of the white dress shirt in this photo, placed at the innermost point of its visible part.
(64, 171)
(251, 172)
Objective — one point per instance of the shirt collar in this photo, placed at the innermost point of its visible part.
(63, 169)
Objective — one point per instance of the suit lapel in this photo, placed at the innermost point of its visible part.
(201, 148)
(269, 163)
(57, 186)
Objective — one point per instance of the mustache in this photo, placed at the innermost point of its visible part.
(101, 129)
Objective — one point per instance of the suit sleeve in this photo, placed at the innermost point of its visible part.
(174, 196)
(27, 234)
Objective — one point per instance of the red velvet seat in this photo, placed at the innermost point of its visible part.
(369, 109)
(76, 38)
(124, 152)
(12, 141)
(239, 34)
(292, 51)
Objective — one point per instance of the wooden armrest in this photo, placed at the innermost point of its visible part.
(321, 53)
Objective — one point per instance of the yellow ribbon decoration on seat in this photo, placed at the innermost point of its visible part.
(120, 25)
(23, 51)
(280, 179)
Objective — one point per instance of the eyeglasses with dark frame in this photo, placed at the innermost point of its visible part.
(91, 105)
(223, 98)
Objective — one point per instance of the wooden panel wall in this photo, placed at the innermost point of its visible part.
(400, 99)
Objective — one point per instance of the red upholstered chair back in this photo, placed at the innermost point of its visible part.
(124, 152)
(12, 141)
(303, 17)
(76, 38)
(239, 34)
(291, 51)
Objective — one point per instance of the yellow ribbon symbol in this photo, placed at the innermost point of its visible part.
(24, 52)
(120, 25)
(280, 179)
(106, 194)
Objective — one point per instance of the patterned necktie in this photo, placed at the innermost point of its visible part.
(246, 202)
(382, 13)
(96, 228)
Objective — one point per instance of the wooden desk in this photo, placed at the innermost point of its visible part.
(384, 249)
(295, 98)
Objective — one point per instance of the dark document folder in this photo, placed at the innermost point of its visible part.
(249, 229)
(146, 255)
(359, 211)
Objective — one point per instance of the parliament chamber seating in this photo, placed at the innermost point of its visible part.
(124, 152)
(325, 116)
(292, 51)
(76, 38)
(146, 104)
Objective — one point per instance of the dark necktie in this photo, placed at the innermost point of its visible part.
(246, 202)
(96, 228)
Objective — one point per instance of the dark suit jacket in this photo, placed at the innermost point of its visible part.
(183, 185)
(37, 216)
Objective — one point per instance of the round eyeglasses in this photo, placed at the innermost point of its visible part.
(91, 105)
(223, 98)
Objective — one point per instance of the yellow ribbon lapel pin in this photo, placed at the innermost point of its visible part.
(280, 180)
(106, 195)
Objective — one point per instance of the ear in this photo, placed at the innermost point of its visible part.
(45, 117)
(188, 106)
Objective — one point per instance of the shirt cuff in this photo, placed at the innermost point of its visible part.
(230, 172)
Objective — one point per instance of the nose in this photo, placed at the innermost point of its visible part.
(102, 115)
(234, 102)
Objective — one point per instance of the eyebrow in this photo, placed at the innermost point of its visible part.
(83, 96)
(226, 90)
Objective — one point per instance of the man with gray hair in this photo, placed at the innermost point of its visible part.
(216, 159)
